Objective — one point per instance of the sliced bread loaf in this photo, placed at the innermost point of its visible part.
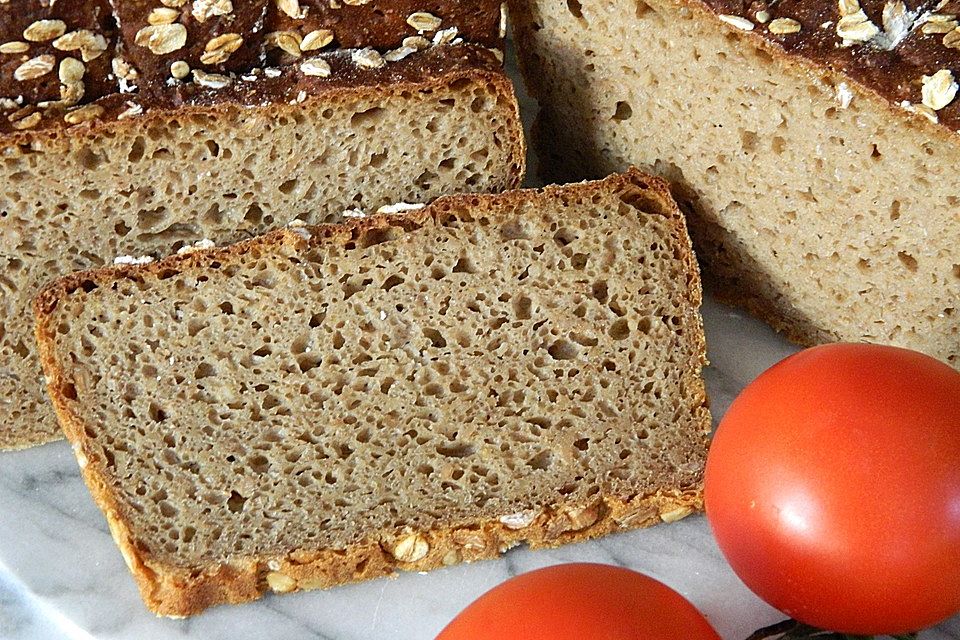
(329, 404)
(812, 141)
(225, 163)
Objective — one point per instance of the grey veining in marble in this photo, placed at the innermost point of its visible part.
(61, 577)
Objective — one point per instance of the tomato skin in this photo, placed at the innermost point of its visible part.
(833, 488)
(580, 601)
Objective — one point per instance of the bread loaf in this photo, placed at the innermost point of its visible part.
(811, 141)
(109, 151)
(330, 404)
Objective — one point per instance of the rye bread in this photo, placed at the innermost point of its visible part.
(818, 179)
(329, 404)
(224, 164)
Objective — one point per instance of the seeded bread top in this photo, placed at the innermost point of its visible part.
(906, 51)
(68, 63)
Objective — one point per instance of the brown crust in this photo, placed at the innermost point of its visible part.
(894, 74)
(177, 591)
(144, 75)
(891, 76)
(433, 67)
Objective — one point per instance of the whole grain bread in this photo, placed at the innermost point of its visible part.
(227, 163)
(812, 143)
(330, 404)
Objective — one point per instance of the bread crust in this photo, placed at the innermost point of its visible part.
(842, 74)
(179, 591)
(123, 52)
(435, 71)
(886, 78)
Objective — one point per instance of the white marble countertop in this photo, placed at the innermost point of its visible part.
(62, 577)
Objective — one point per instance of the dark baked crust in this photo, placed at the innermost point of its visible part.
(286, 85)
(137, 42)
(178, 591)
(892, 67)
(93, 16)
(246, 20)
(382, 24)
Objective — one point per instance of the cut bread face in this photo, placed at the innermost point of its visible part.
(330, 404)
(813, 201)
(444, 121)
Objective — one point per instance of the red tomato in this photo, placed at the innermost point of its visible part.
(580, 602)
(833, 488)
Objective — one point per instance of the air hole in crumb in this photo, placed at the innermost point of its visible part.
(464, 265)
(456, 450)
(895, 210)
(564, 236)
(563, 350)
(643, 325)
(599, 291)
(541, 461)
(908, 261)
(435, 337)
(156, 412)
(259, 464)
(623, 112)
(514, 230)
(392, 282)
(236, 502)
(620, 329)
(204, 370)
(522, 306)
(582, 444)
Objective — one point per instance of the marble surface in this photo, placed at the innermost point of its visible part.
(61, 576)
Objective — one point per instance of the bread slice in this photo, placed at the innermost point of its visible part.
(330, 404)
(230, 164)
(818, 180)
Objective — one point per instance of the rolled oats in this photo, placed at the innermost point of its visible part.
(737, 21)
(784, 26)
(939, 90)
(219, 49)
(367, 58)
(14, 46)
(162, 38)
(411, 548)
(204, 9)
(211, 80)
(35, 68)
(85, 113)
(317, 67)
(163, 15)
(423, 21)
(317, 39)
(71, 70)
(288, 41)
(291, 8)
(44, 30)
(179, 69)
